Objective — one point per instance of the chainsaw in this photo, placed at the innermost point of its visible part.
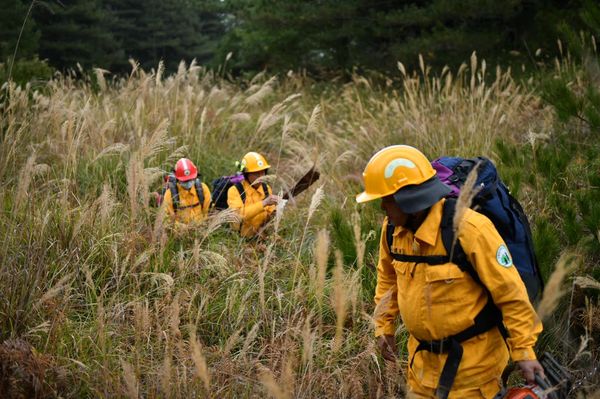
(556, 384)
(305, 182)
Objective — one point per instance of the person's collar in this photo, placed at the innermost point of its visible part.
(429, 229)
(253, 187)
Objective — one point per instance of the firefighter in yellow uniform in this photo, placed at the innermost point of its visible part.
(456, 348)
(252, 198)
(186, 198)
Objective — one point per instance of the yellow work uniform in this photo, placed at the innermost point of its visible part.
(252, 212)
(436, 302)
(189, 208)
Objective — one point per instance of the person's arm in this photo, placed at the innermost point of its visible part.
(386, 291)
(207, 199)
(386, 301)
(234, 200)
(167, 204)
(489, 255)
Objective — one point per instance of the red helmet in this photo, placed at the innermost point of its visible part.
(185, 170)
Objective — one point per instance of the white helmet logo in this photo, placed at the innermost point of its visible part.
(187, 172)
(396, 163)
(260, 164)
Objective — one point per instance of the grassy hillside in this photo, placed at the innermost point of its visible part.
(99, 297)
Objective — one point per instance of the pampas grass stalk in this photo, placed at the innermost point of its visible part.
(467, 192)
(25, 175)
(554, 289)
(200, 363)
(321, 256)
(308, 339)
(273, 388)
(314, 204)
(359, 242)
(261, 277)
(166, 372)
(131, 382)
(279, 214)
(339, 299)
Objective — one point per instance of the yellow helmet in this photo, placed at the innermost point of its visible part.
(404, 171)
(254, 162)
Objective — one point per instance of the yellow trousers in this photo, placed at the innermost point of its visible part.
(486, 391)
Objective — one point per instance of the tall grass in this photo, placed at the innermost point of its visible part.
(121, 304)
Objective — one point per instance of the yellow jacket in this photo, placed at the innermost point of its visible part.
(436, 302)
(253, 214)
(189, 209)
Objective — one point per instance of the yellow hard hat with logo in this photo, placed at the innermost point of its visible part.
(406, 173)
(254, 162)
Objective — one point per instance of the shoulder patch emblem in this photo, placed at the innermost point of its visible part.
(503, 256)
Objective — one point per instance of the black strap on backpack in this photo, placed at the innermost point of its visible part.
(485, 320)
(175, 195)
(242, 192)
(455, 255)
(488, 318)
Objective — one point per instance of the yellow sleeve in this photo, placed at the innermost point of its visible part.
(234, 200)
(484, 248)
(167, 204)
(207, 198)
(387, 287)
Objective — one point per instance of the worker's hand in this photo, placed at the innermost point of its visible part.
(530, 368)
(387, 347)
(271, 200)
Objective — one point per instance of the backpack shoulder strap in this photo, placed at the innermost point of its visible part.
(199, 192)
(459, 258)
(174, 194)
(452, 245)
(389, 235)
(431, 260)
(241, 191)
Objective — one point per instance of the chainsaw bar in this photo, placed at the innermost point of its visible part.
(305, 182)
(557, 383)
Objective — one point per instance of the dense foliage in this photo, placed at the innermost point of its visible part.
(319, 36)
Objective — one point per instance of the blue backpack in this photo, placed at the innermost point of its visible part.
(506, 213)
(492, 200)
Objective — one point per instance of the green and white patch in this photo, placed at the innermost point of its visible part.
(503, 256)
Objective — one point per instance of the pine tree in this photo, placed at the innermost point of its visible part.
(168, 30)
(12, 17)
(318, 34)
(76, 31)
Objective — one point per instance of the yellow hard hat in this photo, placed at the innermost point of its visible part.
(254, 162)
(404, 171)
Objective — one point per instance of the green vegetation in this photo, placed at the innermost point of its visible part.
(99, 297)
(322, 37)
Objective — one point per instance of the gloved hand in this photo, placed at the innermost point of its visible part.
(530, 368)
(271, 200)
(387, 347)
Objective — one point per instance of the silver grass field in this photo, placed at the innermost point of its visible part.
(101, 297)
